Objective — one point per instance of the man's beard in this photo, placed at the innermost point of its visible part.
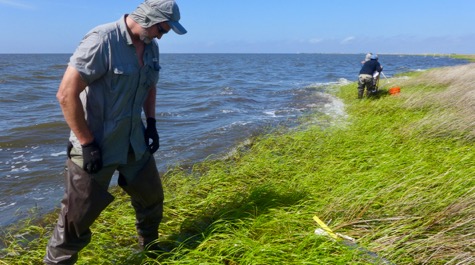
(144, 37)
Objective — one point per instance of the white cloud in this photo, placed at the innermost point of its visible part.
(348, 39)
(15, 4)
(315, 40)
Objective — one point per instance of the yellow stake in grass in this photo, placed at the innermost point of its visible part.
(325, 227)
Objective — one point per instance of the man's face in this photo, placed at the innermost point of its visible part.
(162, 28)
(155, 31)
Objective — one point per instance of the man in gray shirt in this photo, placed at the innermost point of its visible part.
(110, 79)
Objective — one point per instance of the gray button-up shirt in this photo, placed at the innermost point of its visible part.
(117, 88)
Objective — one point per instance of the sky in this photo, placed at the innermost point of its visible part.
(255, 26)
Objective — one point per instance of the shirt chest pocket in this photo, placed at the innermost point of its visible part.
(150, 75)
(124, 78)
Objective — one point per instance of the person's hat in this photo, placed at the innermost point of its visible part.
(368, 56)
(152, 12)
(374, 57)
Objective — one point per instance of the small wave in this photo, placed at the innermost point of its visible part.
(4, 205)
(23, 168)
(341, 81)
(239, 123)
(227, 91)
(18, 157)
(335, 107)
(312, 105)
(270, 113)
(45, 77)
(29, 136)
(344, 81)
(55, 125)
(8, 100)
(58, 66)
(59, 154)
(287, 112)
(9, 78)
(171, 114)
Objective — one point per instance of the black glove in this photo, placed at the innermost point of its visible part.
(151, 134)
(70, 147)
(91, 154)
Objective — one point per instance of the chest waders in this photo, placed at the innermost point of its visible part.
(146, 194)
(364, 80)
(83, 201)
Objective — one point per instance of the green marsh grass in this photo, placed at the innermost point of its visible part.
(396, 173)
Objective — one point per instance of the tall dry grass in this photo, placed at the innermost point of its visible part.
(453, 107)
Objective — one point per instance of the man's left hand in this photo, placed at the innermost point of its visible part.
(152, 134)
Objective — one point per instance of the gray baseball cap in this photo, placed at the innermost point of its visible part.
(152, 12)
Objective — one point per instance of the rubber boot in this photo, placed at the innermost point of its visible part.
(146, 193)
(82, 203)
(360, 89)
(360, 94)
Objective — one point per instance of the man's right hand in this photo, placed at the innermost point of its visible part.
(91, 154)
